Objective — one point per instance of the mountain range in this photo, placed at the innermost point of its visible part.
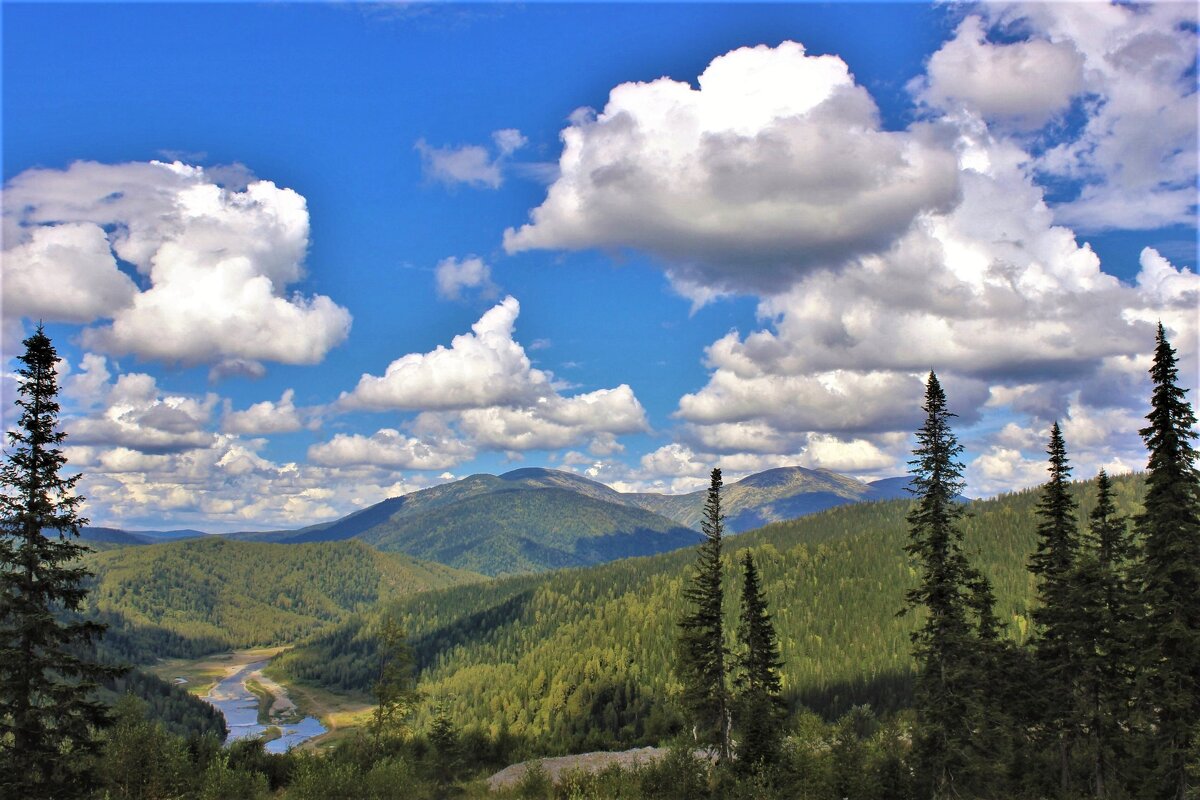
(533, 519)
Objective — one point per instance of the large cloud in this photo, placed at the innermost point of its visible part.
(213, 263)
(134, 414)
(1133, 70)
(483, 368)
(484, 391)
(775, 166)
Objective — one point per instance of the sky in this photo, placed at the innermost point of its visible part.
(298, 258)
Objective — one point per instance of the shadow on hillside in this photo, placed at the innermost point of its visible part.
(884, 693)
(429, 646)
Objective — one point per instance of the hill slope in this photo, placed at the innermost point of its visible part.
(528, 520)
(211, 593)
(775, 495)
(581, 659)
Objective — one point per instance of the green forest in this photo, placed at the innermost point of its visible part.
(1043, 644)
(580, 659)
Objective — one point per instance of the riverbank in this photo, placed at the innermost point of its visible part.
(268, 701)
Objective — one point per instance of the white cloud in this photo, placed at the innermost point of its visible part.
(65, 272)
(453, 276)
(265, 418)
(135, 414)
(555, 422)
(775, 166)
(215, 263)
(390, 448)
(471, 164)
(1136, 154)
(1024, 83)
(484, 389)
(483, 368)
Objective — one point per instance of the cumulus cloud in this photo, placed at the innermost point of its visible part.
(453, 276)
(135, 414)
(775, 166)
(1132, 70)
(265, 418)
(1024, 83)
(472, 164)
(212, 264)
(485, 367)
(390, 448)
(484, 391)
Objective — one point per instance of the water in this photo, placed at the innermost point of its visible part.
(240, 707)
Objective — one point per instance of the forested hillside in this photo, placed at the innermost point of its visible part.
(581, 659)
(775, 495)
(190, 597)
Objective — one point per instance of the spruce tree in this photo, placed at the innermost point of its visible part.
(48, 712)
(759, 704)
(1103, 607)
(1056, 645)
(1170, 581)
(946, 645)
(701, 646)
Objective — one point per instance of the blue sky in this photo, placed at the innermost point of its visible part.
(772, 221)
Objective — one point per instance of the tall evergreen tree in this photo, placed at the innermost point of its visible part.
(701, 645)
(946, 645)
(759, 705)
(48, 712)
(1103, 618)
(1056, 643)
(1170, 580)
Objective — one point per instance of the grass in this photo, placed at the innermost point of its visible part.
(202, 674)
(265, 700)
(341, 714)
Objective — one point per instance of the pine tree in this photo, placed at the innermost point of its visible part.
(48, 713)
(1170, 580)
(760, 707)
(1056, 645)
(701, 646)
(946, 645)
(1103, 606)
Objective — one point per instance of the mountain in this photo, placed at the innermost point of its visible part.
(205, 594)
(582, 659)
(100, 535)
(527, 520)
(773, 496)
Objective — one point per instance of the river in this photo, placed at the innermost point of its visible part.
(240, 707)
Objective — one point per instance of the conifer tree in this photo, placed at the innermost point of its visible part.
(701, 646)
(48, 713)
(1170, 580)
(1104, 612)
(759, 704)
(946, 645)
(1056, 645)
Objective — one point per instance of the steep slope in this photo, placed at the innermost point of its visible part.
(581, 659)
(216, 592)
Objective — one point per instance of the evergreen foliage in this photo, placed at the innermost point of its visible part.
(1104, 605)
(946, 646)
(758, 703)
(1056, 645)
(48, 714)
(1170, 581)
(702, 650)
